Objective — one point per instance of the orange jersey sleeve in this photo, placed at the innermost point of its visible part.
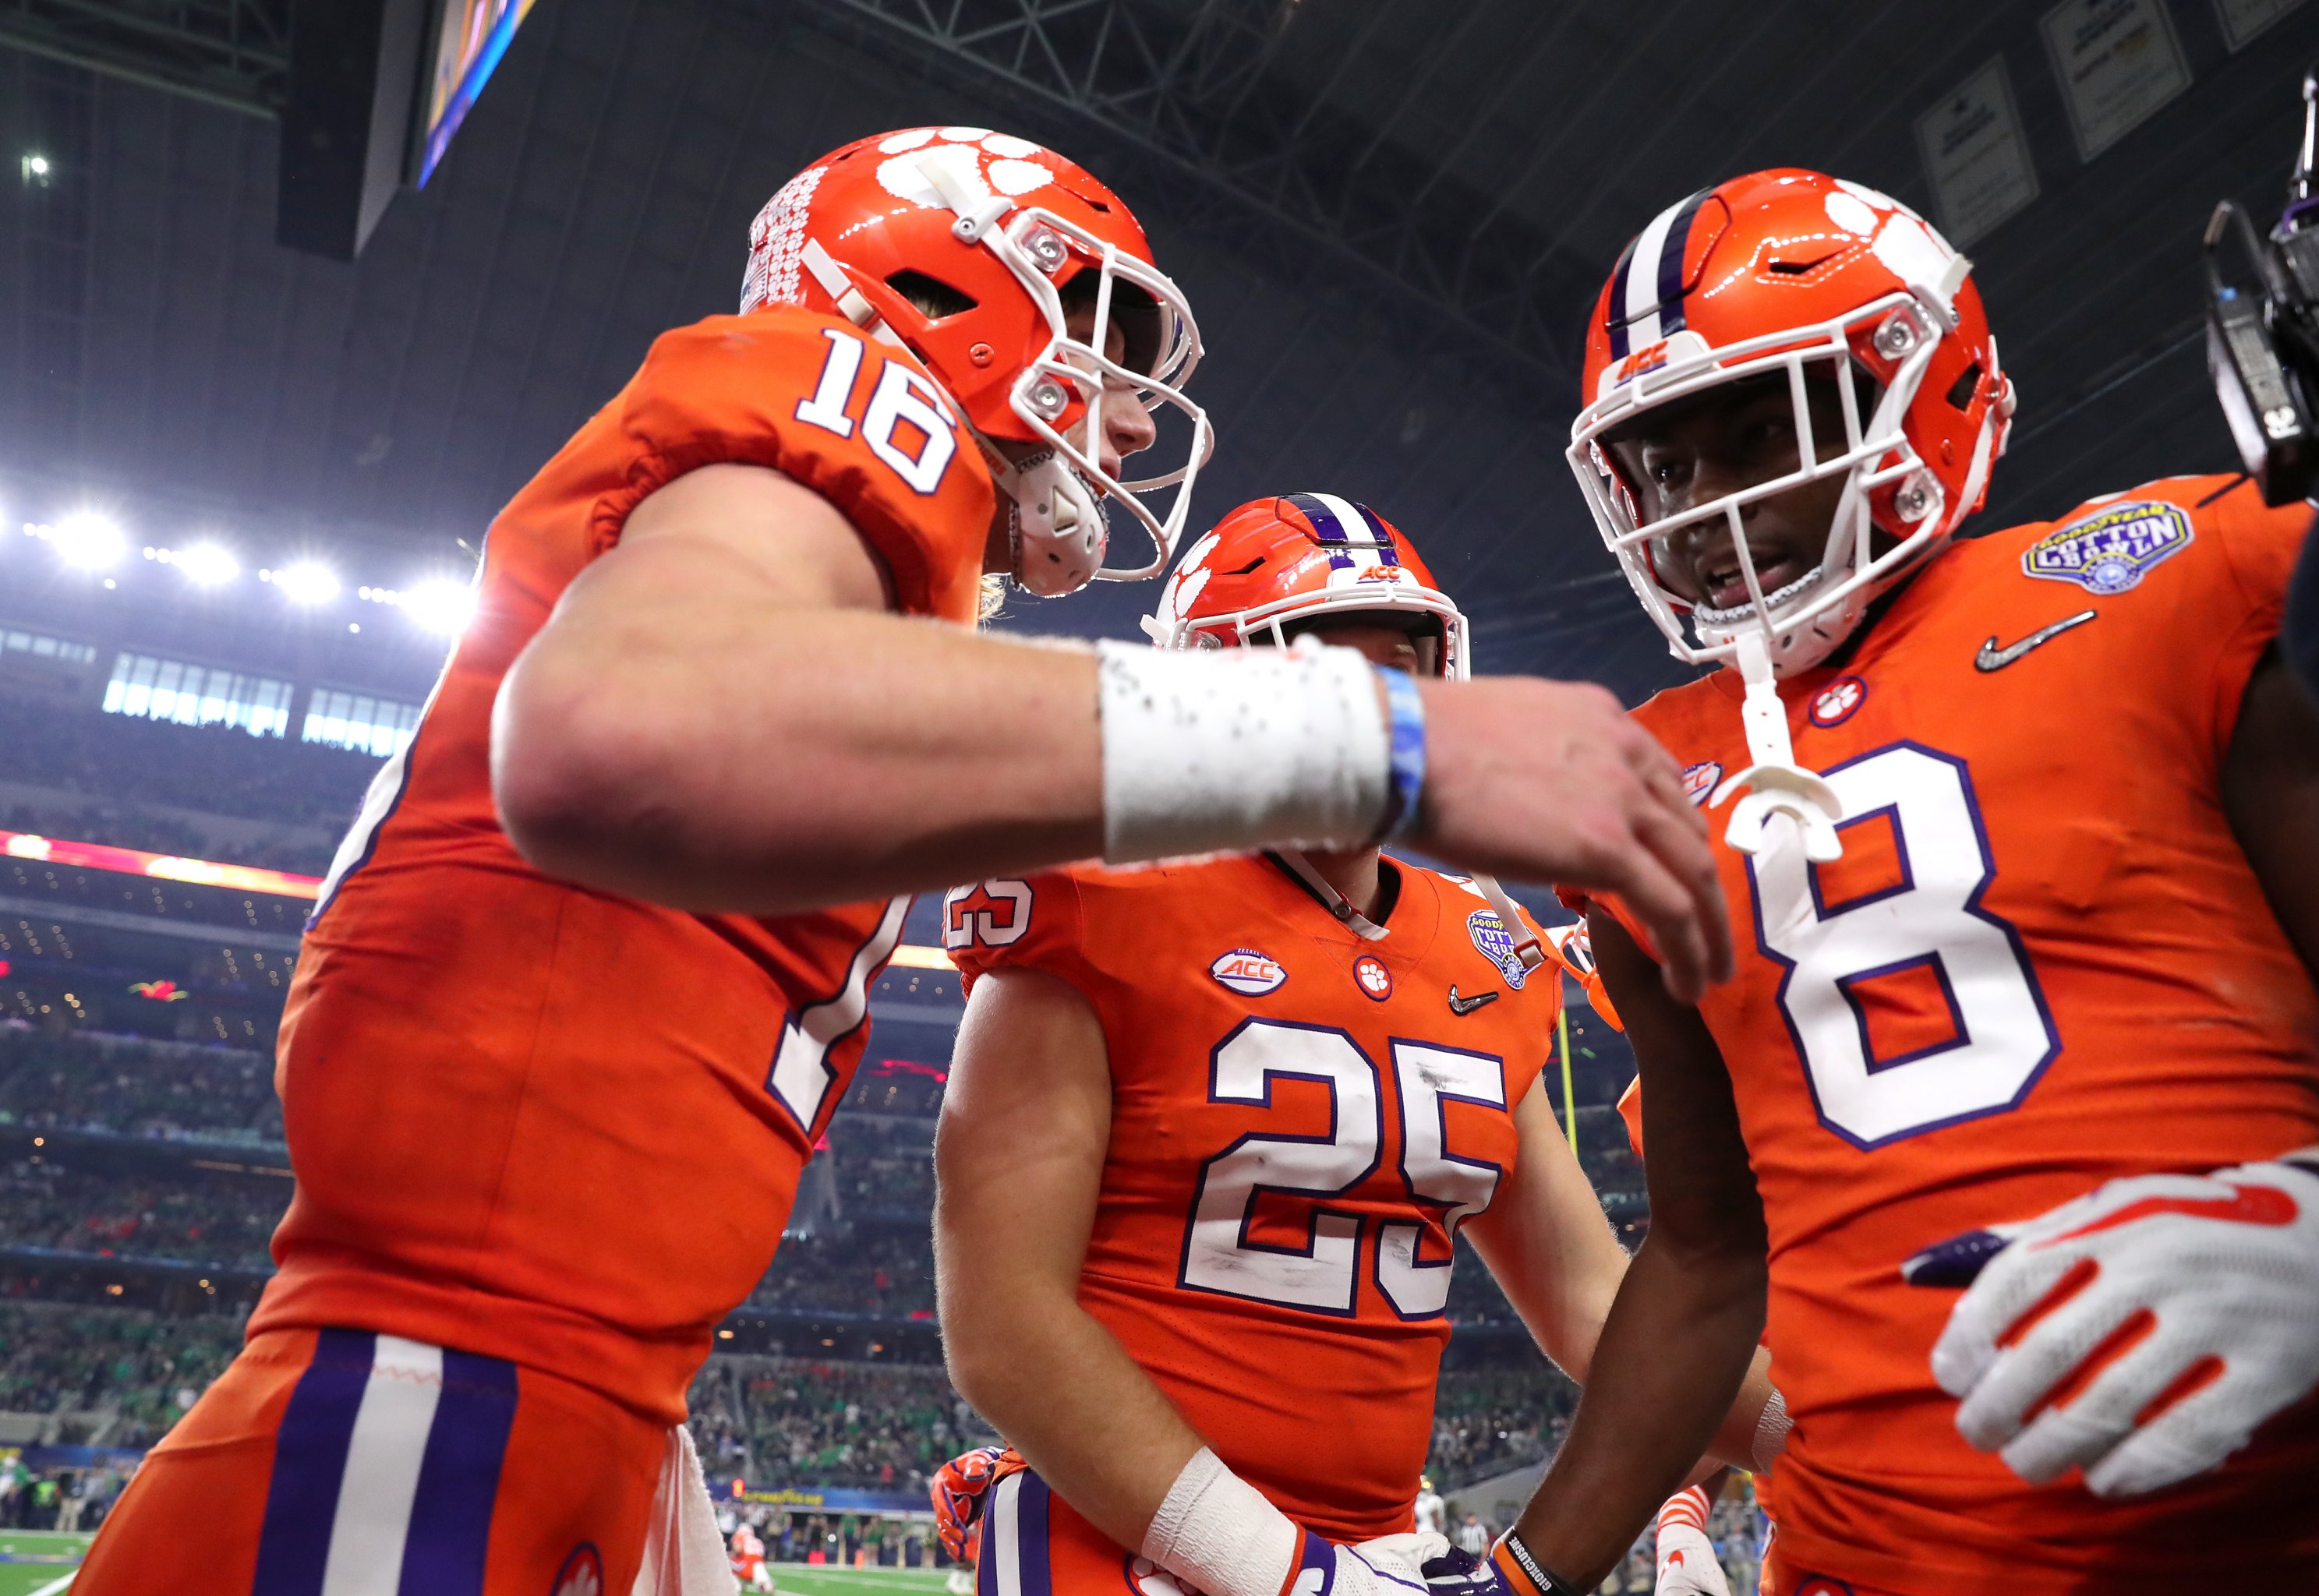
(2041, 962)
(859, 422)
(1300, 1118)
(556, 1126)
(1033, 922)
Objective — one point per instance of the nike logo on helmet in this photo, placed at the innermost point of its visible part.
(1466, 1005)
(1993, 658)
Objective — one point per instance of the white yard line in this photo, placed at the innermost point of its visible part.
(53, 1586)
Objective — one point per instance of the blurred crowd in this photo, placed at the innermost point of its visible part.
(135, 1373)
(95, 1081)
(1486, 1421)
(227, 1220)
(858, 1426)
(215, 770)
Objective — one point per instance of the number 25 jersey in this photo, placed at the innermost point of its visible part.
(2041, 962)
(1300, 1116)
(548, 1124)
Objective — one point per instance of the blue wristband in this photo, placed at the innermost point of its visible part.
(1406, 704)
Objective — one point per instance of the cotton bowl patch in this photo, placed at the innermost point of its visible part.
(1248, 972)
(1700, 780)
(1496, 944)
(2110, 552)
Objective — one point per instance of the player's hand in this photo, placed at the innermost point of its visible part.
(1688, 1566)
(961, 1490)
(1548, 781)
(2140, 1332)
(1389, 1565)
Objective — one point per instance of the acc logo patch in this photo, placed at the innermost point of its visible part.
(1248, 972)
(582, 1574)
(1371, 976)
(2110, 552)
(1835, 703)
(1700, 780)
(1496, 944)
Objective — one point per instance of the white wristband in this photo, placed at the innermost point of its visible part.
(1229, 750)
(1217, 1531)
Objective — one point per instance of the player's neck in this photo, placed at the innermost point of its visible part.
(1354, 875)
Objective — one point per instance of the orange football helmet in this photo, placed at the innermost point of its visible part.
(1000, 227)
(1791, 272)
(1275, 562)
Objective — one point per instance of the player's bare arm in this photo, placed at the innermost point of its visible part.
(2270, 791)
(1018, 1163)
(1551, 1251)
(771, 739)
(1677, 1342)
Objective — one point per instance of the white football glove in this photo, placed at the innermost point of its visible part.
(1389, 1565)
(1688, 1566)
(2216, 1276)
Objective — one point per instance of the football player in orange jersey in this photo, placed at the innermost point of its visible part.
(1211, 1130)
(2023, 867)
(589, 976)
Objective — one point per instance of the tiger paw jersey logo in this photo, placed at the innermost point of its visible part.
(2112, 551)
(1371, 976)
(1147, 1578)
(1495, 944)
(978, 160)
(1835, 703)
(582, 1574)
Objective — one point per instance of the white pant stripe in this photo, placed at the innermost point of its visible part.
(382, 1474)
(1002, 1536)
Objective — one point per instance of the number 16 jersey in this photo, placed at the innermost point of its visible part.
(1300, 1118)
(2042, 963)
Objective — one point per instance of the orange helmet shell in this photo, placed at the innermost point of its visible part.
(871, 206)
(1773, 271)
(1275, 562)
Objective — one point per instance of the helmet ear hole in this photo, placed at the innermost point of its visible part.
(933, 298)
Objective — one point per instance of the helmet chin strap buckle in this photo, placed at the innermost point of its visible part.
(1058, 527)
(1780, 795)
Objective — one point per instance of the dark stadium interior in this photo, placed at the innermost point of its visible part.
(1391, 216)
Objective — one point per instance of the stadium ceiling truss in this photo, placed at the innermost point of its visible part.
(1189, 84)
(234, 53)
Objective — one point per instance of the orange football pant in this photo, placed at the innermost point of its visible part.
(339, 1461)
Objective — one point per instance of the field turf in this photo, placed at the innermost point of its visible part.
(38, 1562)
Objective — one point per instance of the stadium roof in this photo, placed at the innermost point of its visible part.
(1390, 213)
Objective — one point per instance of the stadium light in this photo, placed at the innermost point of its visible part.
(439, 604)
(86, 541)
(306, 583)
(205, 564)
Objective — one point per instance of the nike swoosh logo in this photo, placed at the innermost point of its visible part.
(1466, 1005)
(1993, 658)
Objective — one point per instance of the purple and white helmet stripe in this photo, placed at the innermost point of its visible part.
(1352, 533)
(1647, 294)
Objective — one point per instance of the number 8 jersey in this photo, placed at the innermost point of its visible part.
(1301, 1117)
(2041, 962)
